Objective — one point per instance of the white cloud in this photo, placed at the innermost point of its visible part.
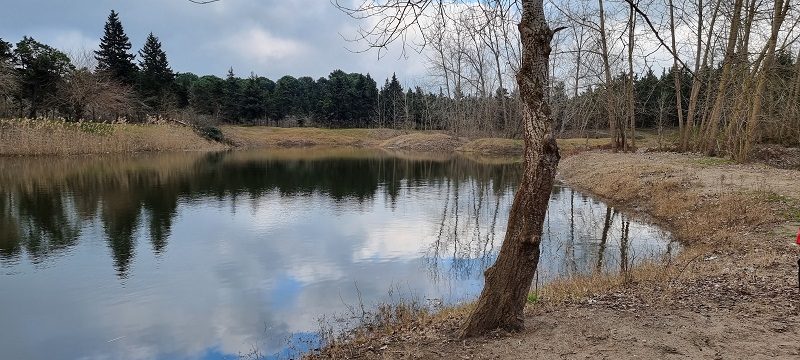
(71, 40)
(257, 44)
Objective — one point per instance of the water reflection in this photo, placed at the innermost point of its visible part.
(209, 255)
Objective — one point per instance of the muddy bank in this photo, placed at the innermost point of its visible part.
(732, 292)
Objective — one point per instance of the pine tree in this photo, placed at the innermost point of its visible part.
(6, 52)
(231, 101)
(393, 100)
(113, 56)
(41, 71)
(156, 78)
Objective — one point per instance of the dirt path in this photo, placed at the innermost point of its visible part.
(731, 294)
(715, 174)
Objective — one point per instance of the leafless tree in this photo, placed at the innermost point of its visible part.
(508, 281)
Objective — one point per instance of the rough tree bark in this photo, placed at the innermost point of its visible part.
(508, 281)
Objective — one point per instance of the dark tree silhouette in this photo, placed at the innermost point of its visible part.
(113, 56)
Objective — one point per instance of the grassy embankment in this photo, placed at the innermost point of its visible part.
(52, 137)
(730, 293)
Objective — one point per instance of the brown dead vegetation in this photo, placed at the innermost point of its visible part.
(272, 137)
(432, 142)
(55, 137)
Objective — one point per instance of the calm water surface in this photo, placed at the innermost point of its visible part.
(206, 256)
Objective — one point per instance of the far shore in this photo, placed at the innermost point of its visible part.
(58, 138)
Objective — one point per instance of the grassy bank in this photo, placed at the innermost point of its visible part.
(731, 292)
(53, 137)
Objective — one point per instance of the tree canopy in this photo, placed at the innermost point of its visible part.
(113, 56)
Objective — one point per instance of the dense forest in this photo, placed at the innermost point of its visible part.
(114, 84)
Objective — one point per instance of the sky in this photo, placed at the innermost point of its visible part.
(270, 38)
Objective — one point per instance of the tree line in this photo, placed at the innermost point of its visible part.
(114, 84)
(473, 57)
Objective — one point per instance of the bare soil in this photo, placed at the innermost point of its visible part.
(732, 293)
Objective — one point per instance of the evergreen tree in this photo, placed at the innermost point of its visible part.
(156, 78)
(254, 96)
(183, 88)
(41, 70)
(113, 56)
(6, 52)
(206, 95)
(231, 100)
(286, 98)
(393, 101)
(8, 80)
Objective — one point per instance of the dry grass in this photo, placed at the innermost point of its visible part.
(572, 146)
(678, 190)
(56, 137)
(423, 141)
(493, 146)
(271, 137)
(567, 146)
(390, 323)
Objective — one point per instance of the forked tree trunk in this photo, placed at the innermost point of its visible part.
(710, 133)
(780, 11)
(508, 281)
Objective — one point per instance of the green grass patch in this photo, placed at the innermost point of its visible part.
(533, 298)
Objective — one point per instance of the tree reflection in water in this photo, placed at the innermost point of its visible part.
(167, 249)
(44, 211)
(581, 235)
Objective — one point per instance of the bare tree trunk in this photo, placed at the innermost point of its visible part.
(631, 90)
(612, 117)
(508, 281)
(676, 76)
(710, 136)
(781, 9)
(700, 68)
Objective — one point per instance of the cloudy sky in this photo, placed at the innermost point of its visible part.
(269, 37)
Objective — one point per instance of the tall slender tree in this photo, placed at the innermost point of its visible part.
(231, 100)
(113, 56)
(156, 78)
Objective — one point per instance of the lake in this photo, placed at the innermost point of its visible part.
(212, 255)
